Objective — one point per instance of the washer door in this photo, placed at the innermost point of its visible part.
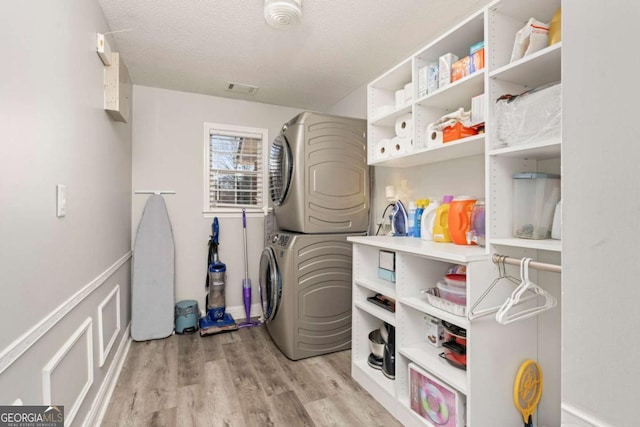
(280, 169)
(270, 284)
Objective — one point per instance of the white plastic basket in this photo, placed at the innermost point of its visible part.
(443, 304)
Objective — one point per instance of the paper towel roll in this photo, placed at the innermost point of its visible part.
(399, 146)
(408, 92)
(400, 99)
(404, 126)
(383, 149)
(434, 137)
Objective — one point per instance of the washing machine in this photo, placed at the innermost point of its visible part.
(318, 175)
(305, 291)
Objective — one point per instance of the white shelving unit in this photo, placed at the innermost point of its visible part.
(430, 107)
(540, 68)
(494, 351)
(419, 265)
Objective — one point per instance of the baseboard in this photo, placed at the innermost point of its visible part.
(239, 315)
(576, 417)
(103, 397)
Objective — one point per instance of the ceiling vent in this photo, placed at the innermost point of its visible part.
(282, 14)
(241, 88)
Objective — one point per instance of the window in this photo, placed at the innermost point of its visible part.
(235, 159)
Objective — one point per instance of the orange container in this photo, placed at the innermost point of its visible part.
(460, 218)
(457, 131)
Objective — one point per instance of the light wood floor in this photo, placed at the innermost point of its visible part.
(237, 379)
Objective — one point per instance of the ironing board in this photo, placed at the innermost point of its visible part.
(152, 293)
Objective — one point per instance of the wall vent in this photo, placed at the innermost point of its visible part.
(241, 88)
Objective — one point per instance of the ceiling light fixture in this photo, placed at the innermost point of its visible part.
(282, 14)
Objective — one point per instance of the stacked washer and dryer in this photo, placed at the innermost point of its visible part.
(319, 186)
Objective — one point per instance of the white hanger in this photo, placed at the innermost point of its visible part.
(504, 317)
(502, 274)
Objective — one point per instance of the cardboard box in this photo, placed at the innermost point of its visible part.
(433, 77)
(387, 265)
(460, 69)
(477, 110)
(422, 81)
(444, 69)
(435, 331)
(477, 61)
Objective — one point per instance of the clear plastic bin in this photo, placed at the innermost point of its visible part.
(535, 199)
(533, 116)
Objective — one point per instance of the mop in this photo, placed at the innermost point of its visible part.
(246, 282)
(216, 320)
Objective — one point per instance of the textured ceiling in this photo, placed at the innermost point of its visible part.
(199, 45)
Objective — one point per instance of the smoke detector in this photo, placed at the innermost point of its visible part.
(282, 14)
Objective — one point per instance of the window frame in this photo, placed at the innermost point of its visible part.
(232, 211)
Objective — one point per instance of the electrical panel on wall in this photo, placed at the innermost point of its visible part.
(117, 89)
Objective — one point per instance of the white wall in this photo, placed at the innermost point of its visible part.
(168, 154)
(352, 105)
(601, 206)
(57, 271)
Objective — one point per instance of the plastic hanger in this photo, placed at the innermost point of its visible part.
(504, 316)
(502, 274)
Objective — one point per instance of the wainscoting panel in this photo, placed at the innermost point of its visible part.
(28, 339)
(108, 323)
(62, 377)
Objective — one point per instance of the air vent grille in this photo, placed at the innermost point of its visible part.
(241, 88)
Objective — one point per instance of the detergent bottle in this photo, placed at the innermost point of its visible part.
(441, 225)
(416, 230)
(428, 218)
(460, 218)
(412, 218)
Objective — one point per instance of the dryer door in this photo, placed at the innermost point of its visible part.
(270, 284)
(280, 169)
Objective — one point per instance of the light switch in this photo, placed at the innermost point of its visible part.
(61, 204)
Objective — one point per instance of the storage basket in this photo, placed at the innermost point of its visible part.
(434, 300)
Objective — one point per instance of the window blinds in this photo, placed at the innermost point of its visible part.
(235, 169)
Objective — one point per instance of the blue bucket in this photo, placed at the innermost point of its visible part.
(186, 316)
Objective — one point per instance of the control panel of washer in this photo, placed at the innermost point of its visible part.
(281, 239)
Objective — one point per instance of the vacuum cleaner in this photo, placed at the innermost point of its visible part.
(216, 320)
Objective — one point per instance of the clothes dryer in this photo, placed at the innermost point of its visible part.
(318, 175)
(305, 290)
